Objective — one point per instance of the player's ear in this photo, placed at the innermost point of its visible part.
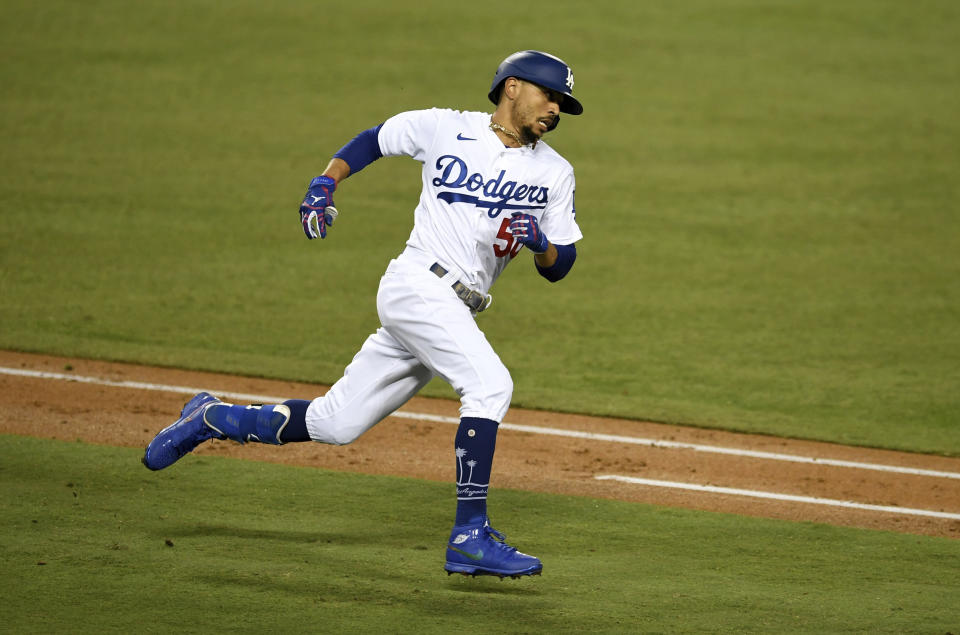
(511, 86)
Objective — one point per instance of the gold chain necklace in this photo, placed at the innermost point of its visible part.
(513, 135)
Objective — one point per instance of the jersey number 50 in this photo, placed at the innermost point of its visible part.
(513, 245)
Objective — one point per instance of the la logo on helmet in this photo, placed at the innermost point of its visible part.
(569, 78)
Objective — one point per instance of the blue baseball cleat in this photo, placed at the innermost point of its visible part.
(180, 438)
(481, 550)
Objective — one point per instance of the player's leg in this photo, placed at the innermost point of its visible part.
(382, 377)
(426, 318)
(205, 417)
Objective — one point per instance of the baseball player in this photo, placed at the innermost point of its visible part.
(491, 187)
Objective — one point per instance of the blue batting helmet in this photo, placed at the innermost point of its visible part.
(542, 69)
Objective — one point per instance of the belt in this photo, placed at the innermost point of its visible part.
(473, 299)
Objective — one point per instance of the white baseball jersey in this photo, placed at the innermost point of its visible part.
(472, 183)
(471, 186)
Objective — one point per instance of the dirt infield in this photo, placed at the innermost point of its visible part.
(57, 408)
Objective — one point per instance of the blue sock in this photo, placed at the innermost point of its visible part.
(475, 443)
(296, 429)
(243, 423)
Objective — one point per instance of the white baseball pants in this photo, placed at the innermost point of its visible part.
(426, 331)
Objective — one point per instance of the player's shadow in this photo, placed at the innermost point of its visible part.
(249, 533)
(491, 585)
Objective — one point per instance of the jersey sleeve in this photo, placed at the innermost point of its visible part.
(410, 133)
(559, 221)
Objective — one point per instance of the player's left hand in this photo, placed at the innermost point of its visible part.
(526, 229)
(317, 211)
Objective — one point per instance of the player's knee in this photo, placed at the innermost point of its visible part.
(332, 429)
(336, 440)
(331, 423)
(503, 389)
(493, 398)
(332, 434)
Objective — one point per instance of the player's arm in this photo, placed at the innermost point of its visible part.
(553, 261)
(408, 133)
(337, 169)
(556, 261)
(317, 211)
(548, 258)
(357, 154)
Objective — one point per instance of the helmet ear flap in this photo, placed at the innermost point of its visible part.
(495, 92)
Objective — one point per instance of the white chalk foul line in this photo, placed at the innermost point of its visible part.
(774, 496)
(772, 456)
(573, 434)
(139, 385)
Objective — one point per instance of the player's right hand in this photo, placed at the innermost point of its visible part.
(317, 211)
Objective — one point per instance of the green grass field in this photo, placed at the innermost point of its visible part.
(769, 197)
(767, 191)
(218, 545)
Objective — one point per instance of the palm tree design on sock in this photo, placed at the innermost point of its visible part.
(461, 452)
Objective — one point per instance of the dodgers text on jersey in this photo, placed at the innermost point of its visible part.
(455, 174)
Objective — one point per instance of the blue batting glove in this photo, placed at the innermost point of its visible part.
(526, 230)
(317, 211)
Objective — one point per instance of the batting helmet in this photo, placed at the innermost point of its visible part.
(542, 69)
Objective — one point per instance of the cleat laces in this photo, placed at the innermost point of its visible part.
(499, 540)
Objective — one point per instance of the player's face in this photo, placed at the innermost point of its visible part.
(535, 110)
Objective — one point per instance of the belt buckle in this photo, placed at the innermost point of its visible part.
(477, 301)
(480, 302)
(473, 299)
